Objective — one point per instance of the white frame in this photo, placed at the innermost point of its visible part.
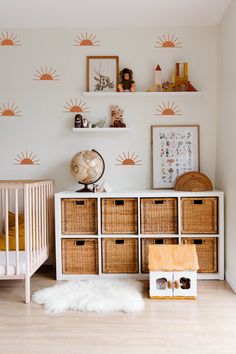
(175, 150)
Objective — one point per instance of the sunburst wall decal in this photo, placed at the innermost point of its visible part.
(9, 39)
(128, 159)
(86, 40)
(168, 41)
(9, 110)
(46, 74)
(27, 159)
(168, 109)
(76, 106)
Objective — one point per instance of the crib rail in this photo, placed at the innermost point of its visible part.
(34, 200)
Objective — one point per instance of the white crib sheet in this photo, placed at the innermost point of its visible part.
(12, 262)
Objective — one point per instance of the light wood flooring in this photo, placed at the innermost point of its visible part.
(206, 325)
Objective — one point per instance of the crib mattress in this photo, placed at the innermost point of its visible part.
(12, 262)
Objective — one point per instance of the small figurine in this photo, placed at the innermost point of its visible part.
(78, 121)
(127, 83)
(85, 123)
(117, 120)
(158, 78)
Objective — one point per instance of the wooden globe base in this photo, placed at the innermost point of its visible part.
(85, 189)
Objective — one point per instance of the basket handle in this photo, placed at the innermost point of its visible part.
(198, 201)
(79, 202)
(198, 242)
(159, 201)
(159, 241)
(119, 242)
(119, 202)
(79, 243)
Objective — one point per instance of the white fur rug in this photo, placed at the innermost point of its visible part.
(100, 296)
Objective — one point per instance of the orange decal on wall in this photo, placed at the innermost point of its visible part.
(128, 160)
(9, 110)
(86, 40)
(168, 41)
(45, 74)
(168, 110)
(27, 159)
(9, 39)
(76, 107)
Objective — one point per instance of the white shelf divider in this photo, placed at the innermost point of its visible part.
(101, 130)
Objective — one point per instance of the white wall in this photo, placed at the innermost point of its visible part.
(46, 131)
(226, 145)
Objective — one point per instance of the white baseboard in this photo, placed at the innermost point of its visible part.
(231, 281)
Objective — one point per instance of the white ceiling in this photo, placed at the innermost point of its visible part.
(110, 13)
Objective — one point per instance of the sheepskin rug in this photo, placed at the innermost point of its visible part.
(101, 296)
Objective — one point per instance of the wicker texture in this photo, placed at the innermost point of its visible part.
(206, 248)
(193, 182)
(199, 215)
(158, 215)
(79, 216)
(120, 255)
(119, 216)
(153, 241)
(79, 256)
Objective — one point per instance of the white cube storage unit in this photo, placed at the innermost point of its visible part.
(121, 225)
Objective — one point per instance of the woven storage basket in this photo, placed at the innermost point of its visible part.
(119, 215)
(206, 248)
(193, 182)
(79, 216)
(199, 215)
(120, 255)
(153, 241)
(79, 256)
(159, 215)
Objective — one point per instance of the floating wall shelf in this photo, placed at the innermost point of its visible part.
(100, 130)
(161, 94)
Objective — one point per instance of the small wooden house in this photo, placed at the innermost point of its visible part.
(173, 271)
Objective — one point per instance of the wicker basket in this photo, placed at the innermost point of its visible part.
(206, 248)
(159, 215)
(153, 241)
(79, 256)
(193, 182)
(199, 215)
(119, 216)
(79, 216)
(120, 255)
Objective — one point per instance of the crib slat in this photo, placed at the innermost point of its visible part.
(7, 230)
(17, 231)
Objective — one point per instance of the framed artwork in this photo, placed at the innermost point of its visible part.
(175, 150)
(102, 73)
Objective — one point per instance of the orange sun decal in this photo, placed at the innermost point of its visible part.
(46, 74)
(128, 160)
(86, 40)
(168, 41)
(9, 110)
(76, 107)
(27, 159)
(168, 110)
(9, 39)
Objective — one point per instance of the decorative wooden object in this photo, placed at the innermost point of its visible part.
(193, 182)
(173, 271)
(117, 120)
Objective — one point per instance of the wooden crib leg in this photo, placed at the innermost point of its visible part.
(27, 290)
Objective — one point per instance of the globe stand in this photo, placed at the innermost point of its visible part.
(85, 189)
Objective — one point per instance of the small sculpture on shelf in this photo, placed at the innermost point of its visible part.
(78, 123)
(127, 83)
(117, 120)
(157, 86)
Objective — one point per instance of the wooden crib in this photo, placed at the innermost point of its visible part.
(26, 228)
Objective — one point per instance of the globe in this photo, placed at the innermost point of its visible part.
(87, 167)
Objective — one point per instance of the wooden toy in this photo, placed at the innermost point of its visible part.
(117, 120)
(173, 271)
(158, 78)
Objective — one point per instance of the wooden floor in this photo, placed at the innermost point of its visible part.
(206, 325)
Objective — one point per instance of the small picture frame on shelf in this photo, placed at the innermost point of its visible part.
(175, 150)
(102, 73)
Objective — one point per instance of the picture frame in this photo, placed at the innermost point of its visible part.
(102, 73)
(175, 150)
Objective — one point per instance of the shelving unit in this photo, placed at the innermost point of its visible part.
(138, 93)
(101, 232)
(101, 130)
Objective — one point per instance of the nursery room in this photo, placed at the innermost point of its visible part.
(117, 225)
